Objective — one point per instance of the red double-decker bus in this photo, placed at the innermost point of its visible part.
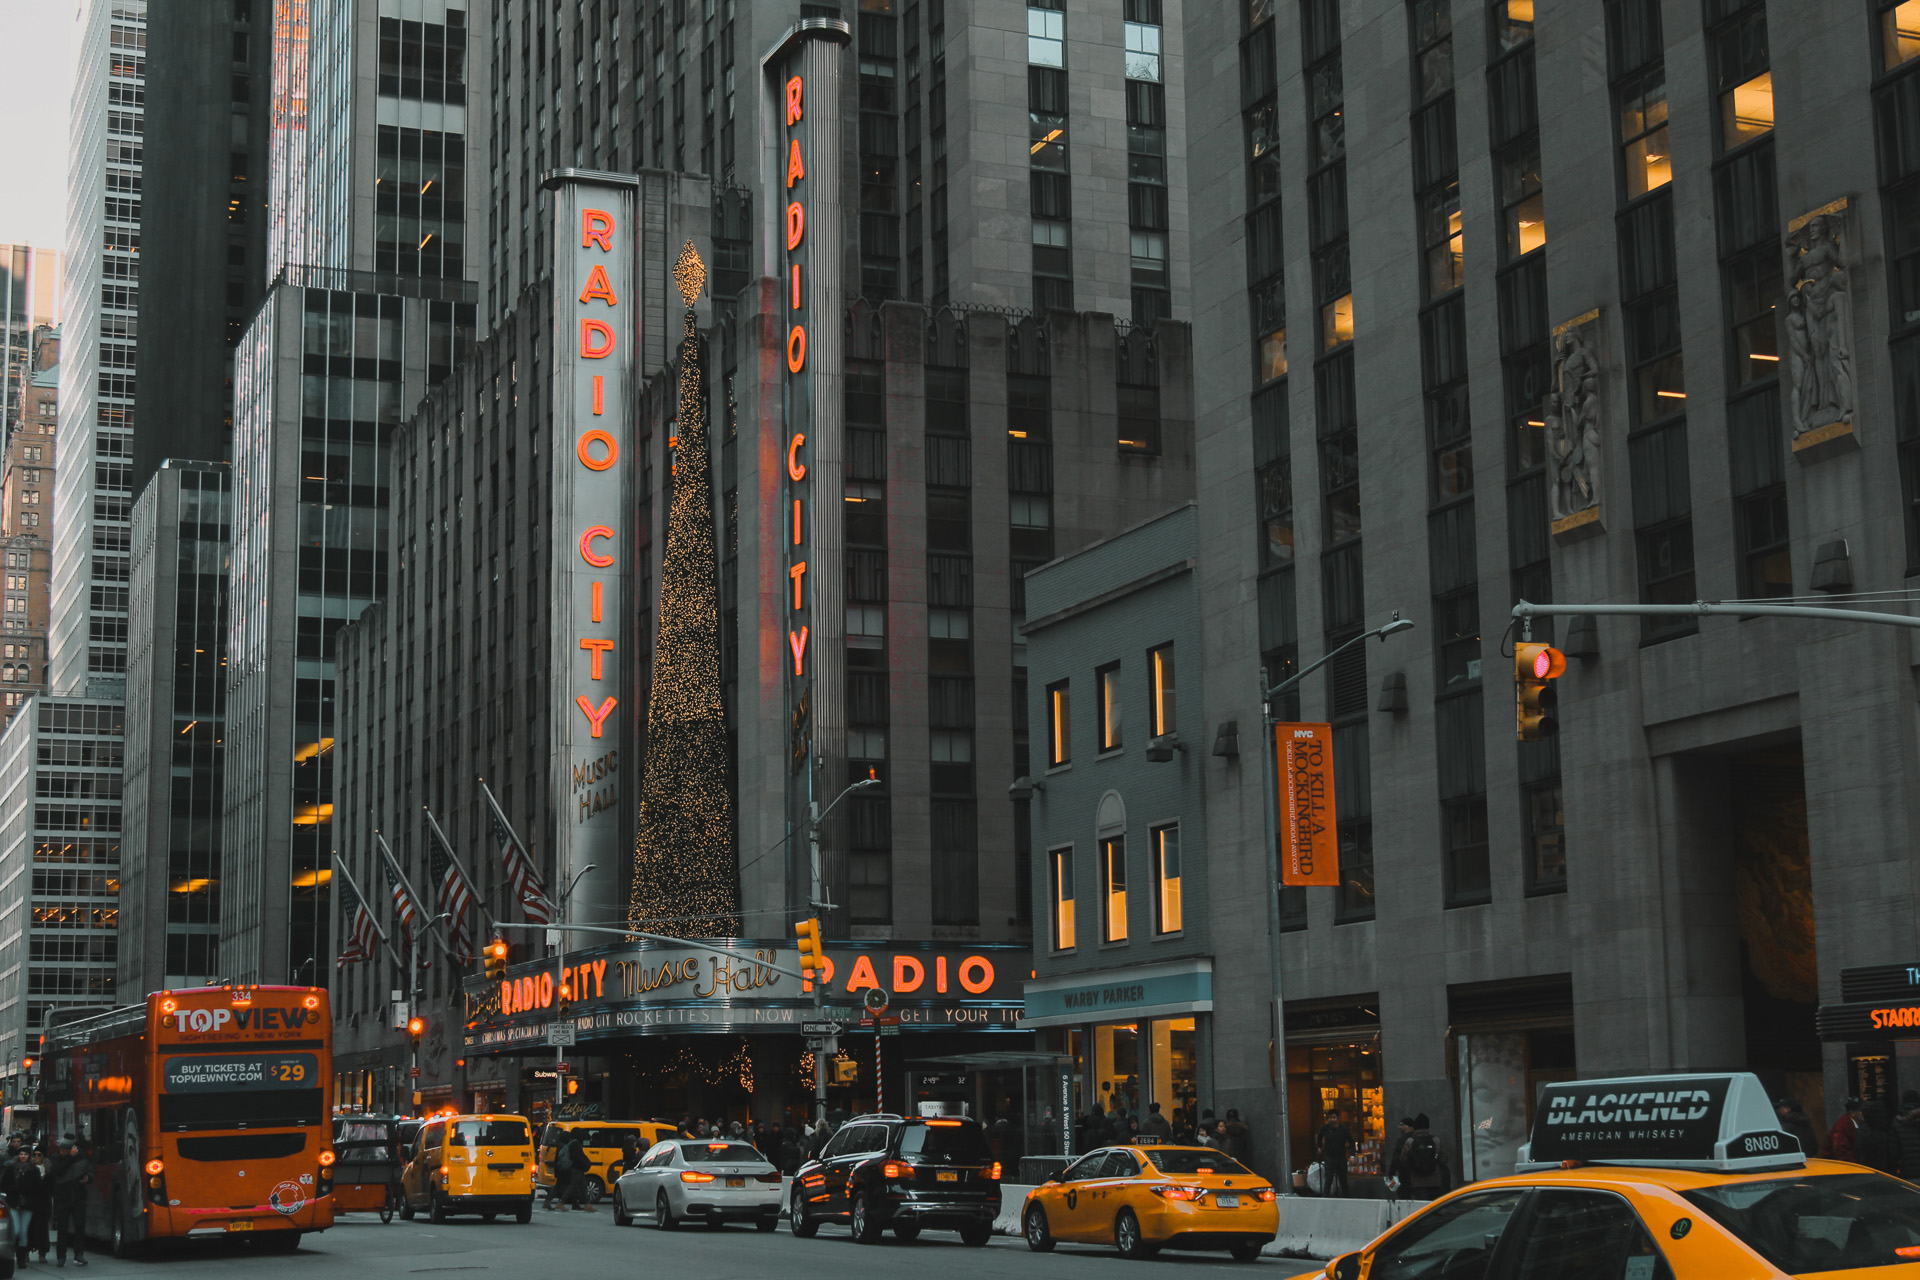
(205, 1112)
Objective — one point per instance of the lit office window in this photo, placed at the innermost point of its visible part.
(1062, 873)
(1160, 691)
(1059, 724)
(1900, 33)
(1166, 876)
(1108, 678)
(1113, 888)
(1643, 133)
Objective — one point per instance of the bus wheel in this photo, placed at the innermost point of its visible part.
(120, 1245)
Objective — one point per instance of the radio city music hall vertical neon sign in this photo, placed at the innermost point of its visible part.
(597, 450)
(792, 110)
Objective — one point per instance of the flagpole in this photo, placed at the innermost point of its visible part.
(502, 815)
(454, 858)
(427, 918)
(340, 865)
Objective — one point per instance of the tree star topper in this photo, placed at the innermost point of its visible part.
(689, 272)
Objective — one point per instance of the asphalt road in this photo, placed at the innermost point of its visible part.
(566, 1246)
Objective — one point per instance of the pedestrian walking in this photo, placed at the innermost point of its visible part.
(1399, 1177)
(1155, 1125)
(578, 1163)
(630, 1152)
(1794, 1121)
(1425, 1162)
(1841, 1139)
(71, 1174)
(790, 1153)
(1333, 1145)
(39, 1198)
(16, 1184)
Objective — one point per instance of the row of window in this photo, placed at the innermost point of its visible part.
(1163, 844)
(1110, 698)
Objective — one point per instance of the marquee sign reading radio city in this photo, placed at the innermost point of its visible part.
(593, 315)
(724, 986)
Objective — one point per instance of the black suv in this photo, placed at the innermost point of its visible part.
(880, 1171)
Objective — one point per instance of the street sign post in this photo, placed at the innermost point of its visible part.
(561, 1033)
(819, 1028)
(823, 1044)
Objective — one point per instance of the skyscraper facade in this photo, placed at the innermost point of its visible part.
(208, 104)
(94, 498)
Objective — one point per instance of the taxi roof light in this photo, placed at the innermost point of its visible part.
(1713, 1123)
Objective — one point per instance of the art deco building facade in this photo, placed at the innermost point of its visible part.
(1605, 304)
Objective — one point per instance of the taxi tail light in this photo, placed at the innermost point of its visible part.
(1263, 1194)
(694, 1175)
(1171, 1191)
(993, 1173)
(896, 1169)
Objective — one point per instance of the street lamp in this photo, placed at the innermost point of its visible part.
(1268, 695)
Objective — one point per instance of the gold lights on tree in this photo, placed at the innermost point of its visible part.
(690, 273)
(683, 859)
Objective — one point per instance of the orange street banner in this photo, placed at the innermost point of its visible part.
(1309, 847)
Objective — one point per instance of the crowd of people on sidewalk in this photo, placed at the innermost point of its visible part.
(44, 1185)
(1869, 1133)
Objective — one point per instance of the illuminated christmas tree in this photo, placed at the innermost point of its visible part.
(684, 879)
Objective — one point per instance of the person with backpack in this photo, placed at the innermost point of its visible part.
(574, 1154)
(1425, 1163)
(1876, 1145)
(1334, 1145)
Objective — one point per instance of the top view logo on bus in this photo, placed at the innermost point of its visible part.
(242, 1023)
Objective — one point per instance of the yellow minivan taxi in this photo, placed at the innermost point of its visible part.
(470, 1164)
(605, 1142)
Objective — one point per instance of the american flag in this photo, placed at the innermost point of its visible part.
(403, 907)
(455, 898)
(522, 876)
(363, 934)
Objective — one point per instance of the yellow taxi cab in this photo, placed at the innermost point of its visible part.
(1656, 1178)
(605, 1142)
(1141, 1199)
(470, 1164)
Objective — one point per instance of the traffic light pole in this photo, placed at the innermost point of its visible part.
(1735, 608)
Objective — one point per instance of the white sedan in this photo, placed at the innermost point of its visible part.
(687, 1178)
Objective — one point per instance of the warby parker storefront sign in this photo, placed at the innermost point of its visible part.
(726, 986)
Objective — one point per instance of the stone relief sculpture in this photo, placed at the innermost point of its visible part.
(1573, 423)
(1818, 324)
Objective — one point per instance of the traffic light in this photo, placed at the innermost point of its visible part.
(416, 1027)
(494, 959)
(562, 999)
(813, 959)
(1535, 668)
(26, 1064)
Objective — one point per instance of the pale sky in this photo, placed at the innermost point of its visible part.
(37, 38)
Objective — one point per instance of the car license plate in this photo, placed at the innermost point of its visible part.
(1226, 1201)
(239, 1226)
(948, 1177)
(736, 1182)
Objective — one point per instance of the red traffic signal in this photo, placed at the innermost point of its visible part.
(1535, 668)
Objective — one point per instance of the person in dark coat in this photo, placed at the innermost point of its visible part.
(790, 1153)
(39, 1197)
(17, 1181)
(71, 1174)
(578, 1162)
(1334, 1145)
(1796, 1122)
(1239, 1137)
(1876, 1145)
(1419, 1149)
(1155, 1125)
